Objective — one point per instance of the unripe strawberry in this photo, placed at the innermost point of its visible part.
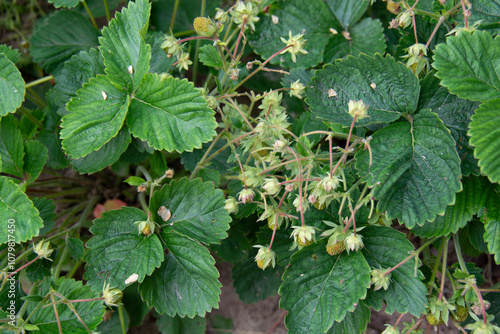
(204, 26)
(461, 313)
(336, 248)
(260, 264)
(433, 321)
(304, 244)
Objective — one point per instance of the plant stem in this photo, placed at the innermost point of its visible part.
(174, 14)
(60, 262)
(90, 14)
(301, 198)
(122, 319)
(415, 253)
(32, 118)
(106, 8)
(436, 266)
(22, 267)
(38, 81)
(443, 270)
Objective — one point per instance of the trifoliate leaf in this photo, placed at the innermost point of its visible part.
(19, 212)
(59, 36)
(126, 54)
(455, 114)
(209, 56)
(35, 157)
(484, 135)
(44, 316)
(11, 86)
(12, 54)
(311, 18)
(105, 156)
(385, 248)
(178, 325)
(366, 36)
(197, 210)
(354, 322)
(456, 215)
(64, 3)
(468, 65)
(186, 283)
(252, 283)
(47, 208)
(492, 237)
(117, 250)
(319, 289)
(415, 169)
(11, 148)
(387, 87)
(170, 115)
(96, 115)
(76, 71)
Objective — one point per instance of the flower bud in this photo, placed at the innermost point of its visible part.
(354, 242)
(272, 186)
(246, 195)
(265, 257)
(204, 26)
(112, 297)
(380, 278)
(358, 109)
(231, 205)
(42, 249)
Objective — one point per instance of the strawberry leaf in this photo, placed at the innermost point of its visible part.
(178, 325)
(396, 90)
(11, 86)
(35, 157)
(45, 318)
(117, 250)
(413, 162)
(197, 210)
(186, 283)
(170, 114)
(468, 65)
(126, 54)
(11, 148)
(58, 37)
(18, 210)
(354, 322)
(64, 3)
(96, 115)
(386, 248)
(484, 135)
(319, 289)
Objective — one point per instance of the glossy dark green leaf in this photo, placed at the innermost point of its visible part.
(252, 283)
(455, 114)
(396, 90)
(209, 56)
(178, 325)
(312, 18)
(492, 237)
(347, 12)
(218, 162)
(354, 322)
(75, 248)
(366, 36)
(45, 319)
(78, 70)
(386, 248)
(126, 54)
(56, 157)
(197, 210)
(413, 162)
(11, 148)
(11, 86)
(468, 65)
(96, 116)
(47, 208)
(22, 218)
(59, 36)
(105, 156)
(186, 283)
(39, 269)
(484, 135)
(235, 248)
(319, 289)
(35, 157)
(117, 250)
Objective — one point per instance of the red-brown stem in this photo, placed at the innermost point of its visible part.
(331, 155)
(280, 319)
(300, 187)
(443, 271)
(299, 180)
(417, 325)
(268, 111)
(22, 267)
(465, 16)
(414, 27)
(441, 20)
(281, 164)
(478, 293)
(276, 221)
(413, 7)
(239, 37)
(346, 146)
(353, 213)
(193, 38)
(57, 314)
(240, 112)
(83, 300)
(242, 171)
(238, 138)
(401, 263)
(397, 321)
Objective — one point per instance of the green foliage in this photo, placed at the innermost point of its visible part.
(356, 153)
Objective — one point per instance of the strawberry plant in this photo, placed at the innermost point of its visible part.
(344, 154)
